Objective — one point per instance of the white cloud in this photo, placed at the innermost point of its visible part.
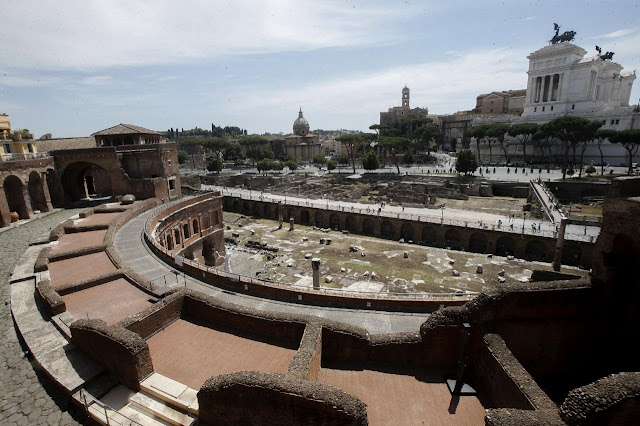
(94, 34)
(12, 79)
(96, 80)
(618, 34)
(444, 86)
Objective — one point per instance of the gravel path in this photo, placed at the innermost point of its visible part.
(28, 396)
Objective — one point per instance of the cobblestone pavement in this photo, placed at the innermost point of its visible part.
(27, 395)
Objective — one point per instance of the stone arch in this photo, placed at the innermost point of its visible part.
(169, 241)
(429, 235)
(368, 227)
(351, 223)
(320, 219)
(186, 231)
(291, 213)
(452, 239)
(305, 217)
(571, 255)
(406, 231)
(195, 226)
(226, 204)
(36, 192)
(386, 229)
(334, 221)
(246, 209)
(256, 210)
(14, 190)
(266, 211)
(83, 179)
(478, 243)
(176, 235)
(505, 246)
(535, 250)
(236, 206)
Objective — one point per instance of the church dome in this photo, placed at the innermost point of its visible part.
(301, 125)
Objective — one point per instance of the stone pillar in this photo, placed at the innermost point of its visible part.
(27, 201)
(279, 214)
(291, 224)
(557, 258)
(315, 265)
(5, 214)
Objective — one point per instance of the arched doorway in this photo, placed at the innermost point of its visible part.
(386, 229)
(256, 210)
(406, 232)
(367, 227)
(478, 243)
(245, 208)
(196, 228)
(505, 246)
(14, 191)
(320, 219)
(305, 217)
(429, 235)
(236, 206)
(351, 223)
(83, 180)
(185, 231)
(334, 221)
(452, 239)
(36, 192)
(169, 242)
(535, 251)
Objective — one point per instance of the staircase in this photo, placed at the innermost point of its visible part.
(161, 401)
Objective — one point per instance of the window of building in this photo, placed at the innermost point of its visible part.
(551, 107)
(30, 147)
(535, 109)
(7, 148)
(612, 121)
(491, 110)
(172, 184)
(573, 106)
(543, 108)
(617, 121)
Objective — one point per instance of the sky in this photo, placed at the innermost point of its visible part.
(72, 68)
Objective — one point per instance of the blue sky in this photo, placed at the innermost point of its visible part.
(73, 68)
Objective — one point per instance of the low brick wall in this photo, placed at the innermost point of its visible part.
(266, 399)
(122, 352)
(612, 400)
(156, 317)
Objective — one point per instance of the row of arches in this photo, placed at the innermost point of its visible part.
(24, 198)
(431, 235)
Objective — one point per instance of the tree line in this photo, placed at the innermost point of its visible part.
(574, 133)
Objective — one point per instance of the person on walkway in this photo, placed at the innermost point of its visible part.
(511, 226)
(539, 226)
(585, 230)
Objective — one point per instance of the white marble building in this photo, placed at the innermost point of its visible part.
(563, 81)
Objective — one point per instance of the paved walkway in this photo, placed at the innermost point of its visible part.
(29, 397)
(547, 200)
(129, 243)
(457, 217)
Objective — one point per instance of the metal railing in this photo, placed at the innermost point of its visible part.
(427, 219)
(21, 156)
(111, 416)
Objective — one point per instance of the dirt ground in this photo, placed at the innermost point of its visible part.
(495, 205)
(427, 269)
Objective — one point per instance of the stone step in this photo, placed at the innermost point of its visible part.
(62, 322)
(171, 391)
(158, 408)
(131, 412)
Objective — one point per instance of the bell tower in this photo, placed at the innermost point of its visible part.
(405, 97)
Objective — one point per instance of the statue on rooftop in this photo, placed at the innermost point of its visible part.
(565, 36)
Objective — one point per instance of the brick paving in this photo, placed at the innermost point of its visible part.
(27, 395)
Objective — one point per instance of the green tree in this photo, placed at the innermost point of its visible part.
(319, 159)
(466, 162)
(478, 133)
(352, 142)
(396, 146)
(370, 161)
(572, 131)
(408, 158)
(213, 165)
(252, 145)
(590, 170)
(630, 140)
(217, 146)
(601, 136)
(343, 159)
(428, 135)
(264, 165)
(523, 133)
(331, 165)
(291, 162)
(182, 157)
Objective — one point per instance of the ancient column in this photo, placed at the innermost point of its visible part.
(315, 265)
(557, 258)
